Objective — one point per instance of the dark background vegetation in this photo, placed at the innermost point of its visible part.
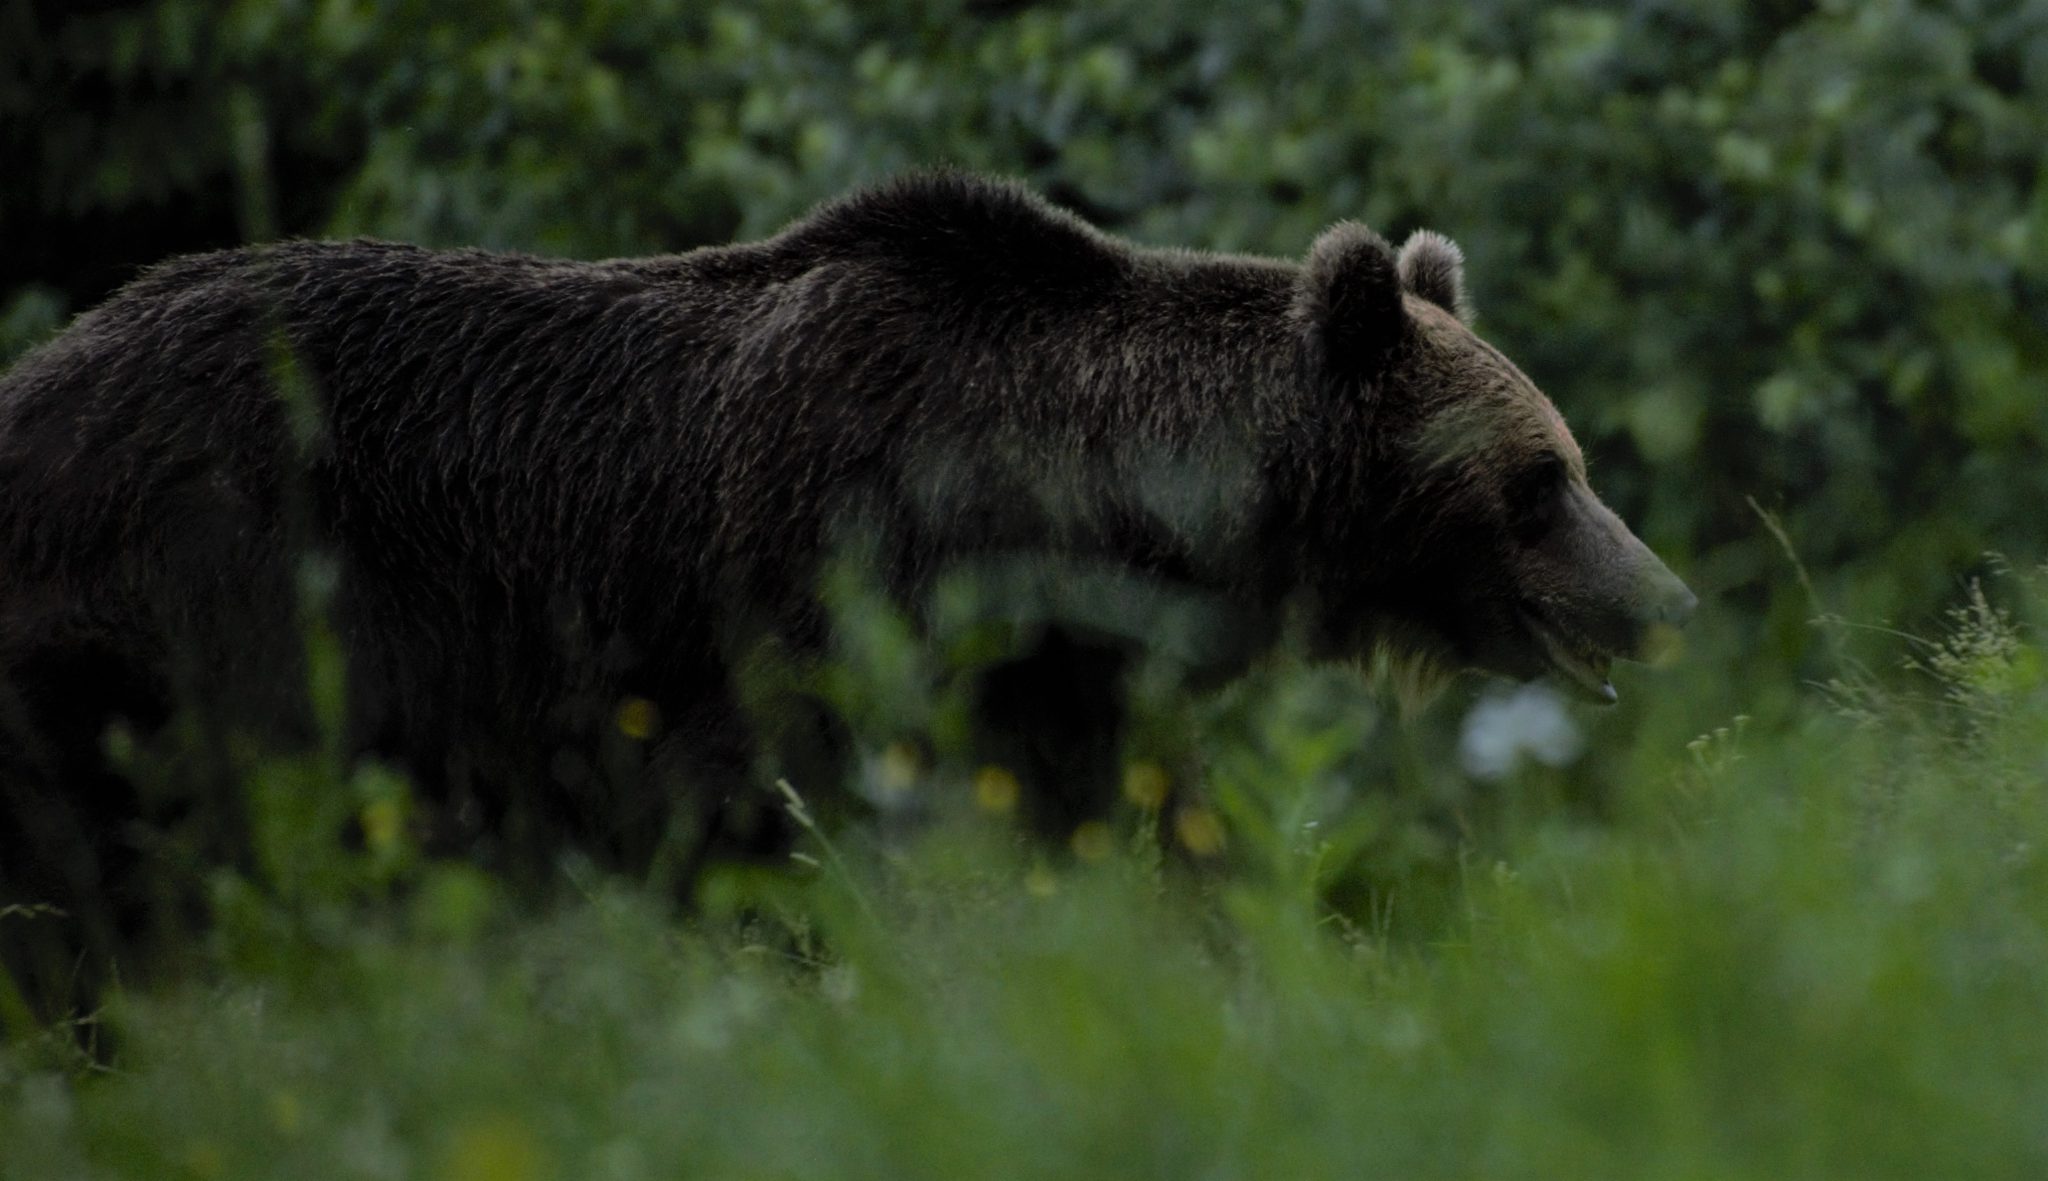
(1771, 258)
(1787, 251)
(1783, 253)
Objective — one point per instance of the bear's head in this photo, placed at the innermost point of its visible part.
(1485, 548)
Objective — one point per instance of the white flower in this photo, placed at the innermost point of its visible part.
(1526, 721)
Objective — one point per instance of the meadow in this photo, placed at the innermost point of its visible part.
(1813, 952)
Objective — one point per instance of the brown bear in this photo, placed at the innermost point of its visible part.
(536, 488)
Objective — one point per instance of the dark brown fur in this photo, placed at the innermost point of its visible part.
(550, 485)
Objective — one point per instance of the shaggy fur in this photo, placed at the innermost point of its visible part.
(546, 486)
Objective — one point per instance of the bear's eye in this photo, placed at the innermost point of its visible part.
(1532, 498)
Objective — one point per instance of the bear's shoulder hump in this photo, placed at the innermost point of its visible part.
(957, 224)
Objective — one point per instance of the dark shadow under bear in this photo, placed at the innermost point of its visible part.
(544, 487)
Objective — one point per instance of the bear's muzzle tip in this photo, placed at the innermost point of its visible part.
(1663, 597)
(1679, 605)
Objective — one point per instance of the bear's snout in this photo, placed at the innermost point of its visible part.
(1664, 606)
(1592, 593)
(1670, 601)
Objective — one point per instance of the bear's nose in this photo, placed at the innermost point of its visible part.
(1661, 612)
(1674, 603)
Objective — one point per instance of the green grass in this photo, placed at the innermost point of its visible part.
(1817, 952)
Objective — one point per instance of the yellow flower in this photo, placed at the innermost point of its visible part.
(495, 1148)
(1146, 784)
(996, 790)
(1092, 841)
(383, 824)
(1200, 831)
(638, 718)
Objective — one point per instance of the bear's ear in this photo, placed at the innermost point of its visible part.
(1349, 301)
(1433, 268)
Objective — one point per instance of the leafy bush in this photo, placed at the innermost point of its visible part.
(1816, 956)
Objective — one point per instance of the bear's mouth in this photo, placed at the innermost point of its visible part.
(1579, 663)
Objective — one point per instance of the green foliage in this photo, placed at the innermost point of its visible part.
(1810, 956)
